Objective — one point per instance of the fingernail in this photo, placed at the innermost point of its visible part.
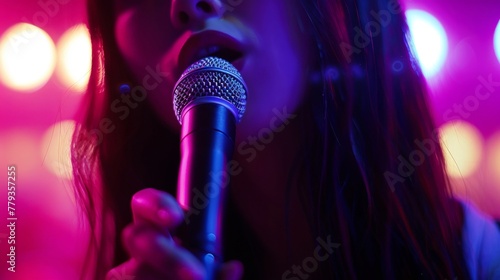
(189, 273)
(163, 215)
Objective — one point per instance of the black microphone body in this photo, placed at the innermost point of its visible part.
(207, 144)
(209, 100)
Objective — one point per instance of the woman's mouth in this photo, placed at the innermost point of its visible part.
(218, 51)
(210, 43)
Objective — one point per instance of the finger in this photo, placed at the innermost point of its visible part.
(131, 269)
(232, 270)
(152, 248)
(125, 270)
(156, 207)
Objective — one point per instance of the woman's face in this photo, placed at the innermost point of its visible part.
(160, 38)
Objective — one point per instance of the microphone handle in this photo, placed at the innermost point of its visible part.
(207, 144)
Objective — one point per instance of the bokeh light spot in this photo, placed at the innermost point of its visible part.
(27, 57)
(462, 147)
(332, 73)
(75, 54)
(496, 40)
(397, 66)
(55, 150)
(429, 39)
(209, 258)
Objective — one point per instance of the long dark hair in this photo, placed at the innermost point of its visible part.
(370, 109)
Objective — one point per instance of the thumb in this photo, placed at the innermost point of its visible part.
(232, 270)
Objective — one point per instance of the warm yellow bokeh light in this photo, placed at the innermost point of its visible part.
(55, 149)
(27, 57)
(494, 157)
(462, 146)
(75, 55)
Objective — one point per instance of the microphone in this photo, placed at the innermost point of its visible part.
(209, 100)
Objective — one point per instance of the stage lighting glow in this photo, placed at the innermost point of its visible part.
(496, 40)
(494, 157)
(429, 40)
(75, 54)
(55, 149)
(462, 148)
(27, 57)
(18, 147)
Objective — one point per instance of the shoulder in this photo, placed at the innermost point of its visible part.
(481, 242)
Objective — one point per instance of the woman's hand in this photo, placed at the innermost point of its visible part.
(153, 252)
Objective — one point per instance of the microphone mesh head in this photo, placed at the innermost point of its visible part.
(210, 77)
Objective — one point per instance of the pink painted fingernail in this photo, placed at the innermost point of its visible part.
(163, 215)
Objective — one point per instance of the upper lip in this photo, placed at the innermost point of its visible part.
(207, 43)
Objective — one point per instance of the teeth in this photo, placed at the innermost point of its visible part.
(213, 49)
(208, 51)
(203, 53)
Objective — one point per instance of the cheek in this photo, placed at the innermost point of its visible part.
(139, 40)
(276, 83)
(143, 46)
(126, 39)
(277, 75)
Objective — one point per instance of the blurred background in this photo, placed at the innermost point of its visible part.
(44, 68)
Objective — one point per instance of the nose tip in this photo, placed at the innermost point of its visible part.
(193, 13)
